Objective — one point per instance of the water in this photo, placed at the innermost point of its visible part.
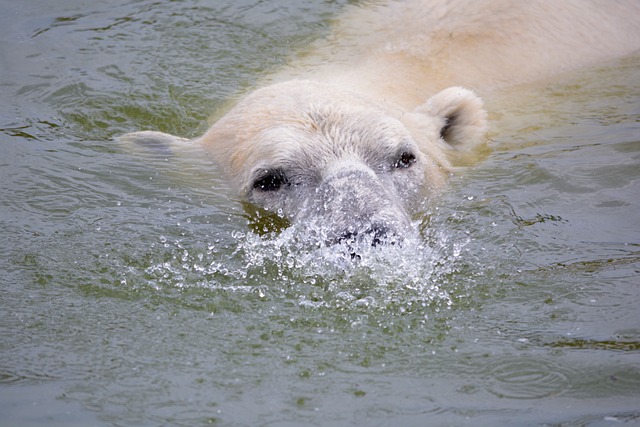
(139, 292)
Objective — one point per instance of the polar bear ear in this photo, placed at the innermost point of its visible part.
(460, 116)
(153, 144)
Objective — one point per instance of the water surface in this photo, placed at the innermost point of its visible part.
(135, 292)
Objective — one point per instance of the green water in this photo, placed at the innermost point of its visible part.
(134, 293)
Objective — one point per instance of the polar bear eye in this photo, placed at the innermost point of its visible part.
(271, 180)
(405, 160)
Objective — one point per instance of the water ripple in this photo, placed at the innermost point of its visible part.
(528, 379)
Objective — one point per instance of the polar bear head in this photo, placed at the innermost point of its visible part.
(356, 168)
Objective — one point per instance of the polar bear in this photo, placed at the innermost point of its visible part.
(353, 136)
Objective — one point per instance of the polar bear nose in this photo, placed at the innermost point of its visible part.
(376, 234)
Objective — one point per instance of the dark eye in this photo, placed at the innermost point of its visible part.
(405, 160)
(271, 180)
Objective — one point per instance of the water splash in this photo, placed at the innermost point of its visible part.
(295, 265)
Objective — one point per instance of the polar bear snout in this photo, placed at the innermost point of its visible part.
(351, 205)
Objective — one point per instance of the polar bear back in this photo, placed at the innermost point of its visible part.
(405, 51)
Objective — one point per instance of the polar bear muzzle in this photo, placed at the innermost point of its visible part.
(352, 205)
